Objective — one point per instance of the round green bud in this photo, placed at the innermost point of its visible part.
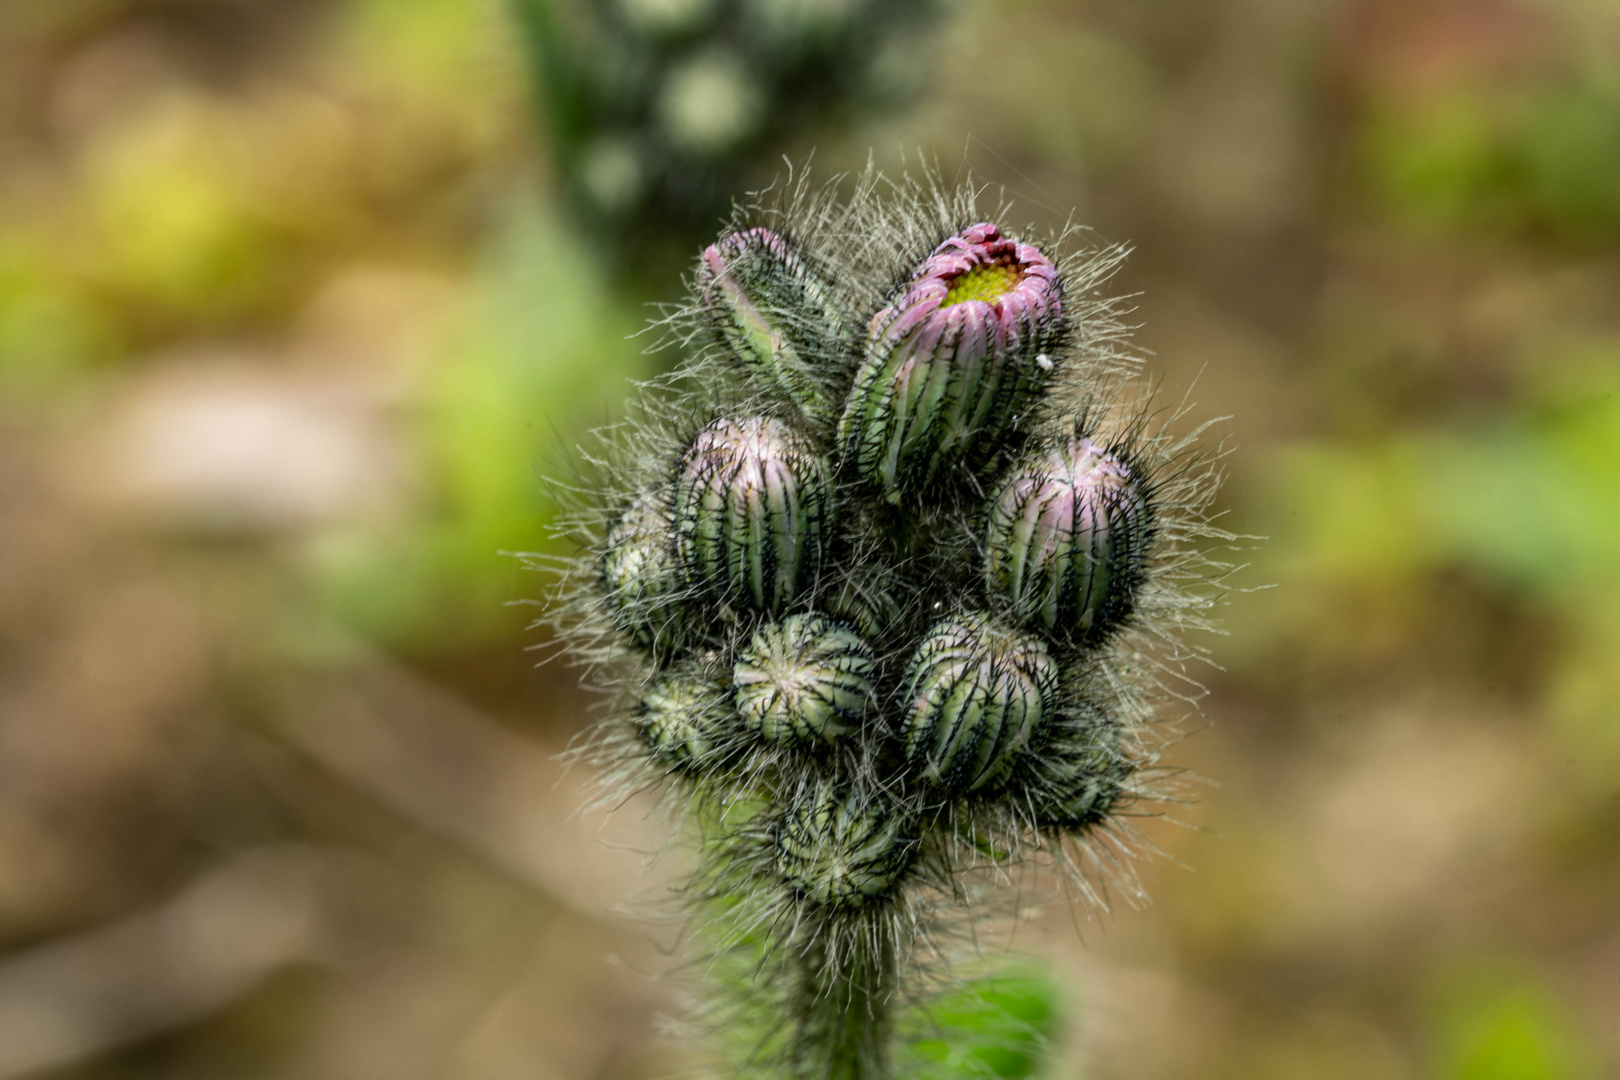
(680, 720)
(804, 680)
(776, 316)
(640, 576)
(842, 848)
(752, 500)
(1066, 539)
(979, 692)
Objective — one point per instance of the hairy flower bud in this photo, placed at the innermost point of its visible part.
(867, 602)
(680, 720)
(639, 573)
(752, 500)
(774, 314)
(803, 680)
(952, 363)
(1088, 796)
(1080, 785)
(1067, 536)
(840, 847)
(979, 692)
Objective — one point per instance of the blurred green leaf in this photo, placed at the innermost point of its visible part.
(1000, 1025)
(1569, 154)
(50, 332)
(1530, 500)
(544, 354)
(1542, 158)
(1493, 1020)
(1438, 163)
(428, 47)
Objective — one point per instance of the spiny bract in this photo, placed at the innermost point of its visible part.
(890, 578)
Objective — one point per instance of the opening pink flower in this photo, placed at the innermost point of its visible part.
(951, 365)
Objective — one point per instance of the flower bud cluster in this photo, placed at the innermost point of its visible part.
(755, 526)
(886, 570)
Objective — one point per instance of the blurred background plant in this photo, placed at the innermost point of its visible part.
(660, 112)
(296, 308)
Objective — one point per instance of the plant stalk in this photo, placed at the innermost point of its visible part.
(846, 984)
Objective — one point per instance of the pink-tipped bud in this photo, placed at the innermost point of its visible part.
(952, 364)
(751, 505)
(775, 316)
(1067, 537)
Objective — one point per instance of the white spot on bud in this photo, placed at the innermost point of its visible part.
(1043, 362)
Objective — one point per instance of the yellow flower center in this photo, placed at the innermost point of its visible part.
(988, 282)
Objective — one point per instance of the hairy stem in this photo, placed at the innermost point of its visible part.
(844, 995)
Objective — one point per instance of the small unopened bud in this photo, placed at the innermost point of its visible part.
(954, 360)
(979, 692)
(865, 601)
(1080, 785)
(639, 573)
(1067, 537)
(842, 848)
(803, 680)
(680, 721)
(775, 315)
(751, 505)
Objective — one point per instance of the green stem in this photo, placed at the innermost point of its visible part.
(846, 984)
(554, 67)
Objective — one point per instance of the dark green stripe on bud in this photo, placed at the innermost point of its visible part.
(978, 693)
(680, 720)
(840, 847)
(640, 576)
(804, 680)
(953, 362)
(775, 315)
(1067, 538)
(751, 505)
